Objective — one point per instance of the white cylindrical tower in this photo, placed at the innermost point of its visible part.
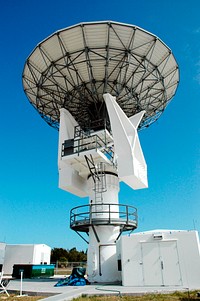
(102, 259)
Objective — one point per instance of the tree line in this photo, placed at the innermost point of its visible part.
(63, 255)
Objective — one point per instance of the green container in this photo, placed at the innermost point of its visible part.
(33, 270)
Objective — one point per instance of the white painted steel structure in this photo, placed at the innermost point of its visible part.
(98, 83)
(160, 258)
(131, 166)
(75, 176)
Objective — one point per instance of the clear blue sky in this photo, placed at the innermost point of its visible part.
(32, 207)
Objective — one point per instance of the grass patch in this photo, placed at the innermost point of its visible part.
(177, 296)
(13, 297)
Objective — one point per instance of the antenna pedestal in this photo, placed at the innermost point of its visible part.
(102, 261)
(104, 220)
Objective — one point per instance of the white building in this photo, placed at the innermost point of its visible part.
(160, 258)
(25, 254)
(2, 254)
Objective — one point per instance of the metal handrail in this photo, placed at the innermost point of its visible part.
(78, 131)
(88, 214)
(96, 144)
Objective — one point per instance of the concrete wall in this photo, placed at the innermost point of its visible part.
(25, 254)
(161, 258)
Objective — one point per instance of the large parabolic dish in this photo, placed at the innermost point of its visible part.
(74, 67)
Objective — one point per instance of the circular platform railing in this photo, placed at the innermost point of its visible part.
(83, 217)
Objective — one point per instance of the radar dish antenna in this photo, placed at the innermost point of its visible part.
(99, 83)
(74, 67)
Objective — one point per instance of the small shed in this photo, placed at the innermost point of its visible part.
(25, 254)
(160, 258)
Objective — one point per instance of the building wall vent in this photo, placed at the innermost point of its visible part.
(158, 236)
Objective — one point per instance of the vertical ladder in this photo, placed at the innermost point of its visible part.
(99, 178)
(100, 187)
